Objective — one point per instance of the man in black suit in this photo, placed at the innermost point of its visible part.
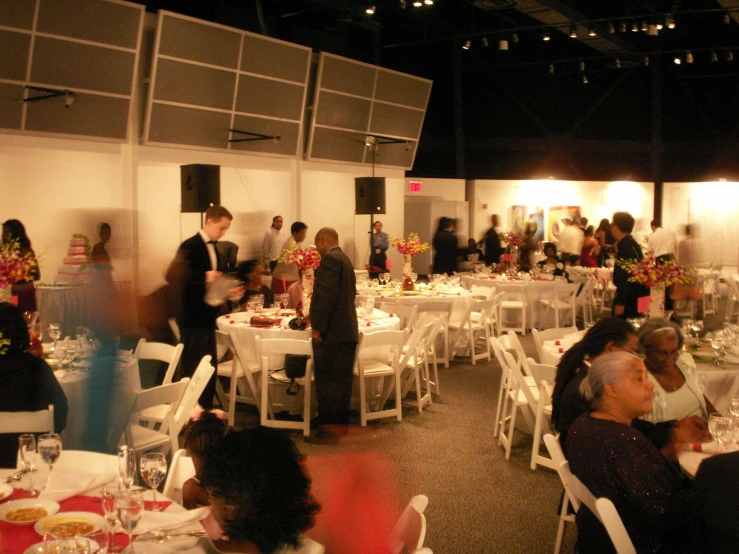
(196, 266)
(715, 500)
(627, 249)
(333, 319)
(493, 249)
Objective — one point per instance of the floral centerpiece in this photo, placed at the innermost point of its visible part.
(513, 240)
(657, 276)
(14, 267)
(307, 261)
(408, 248)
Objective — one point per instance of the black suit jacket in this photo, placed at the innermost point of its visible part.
(715, 501)
(332, 311)
(187, 273)
(493, 249)
(627, 293)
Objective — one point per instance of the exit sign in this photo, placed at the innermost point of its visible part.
(414, 186)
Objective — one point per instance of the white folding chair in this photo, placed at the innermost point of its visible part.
(175, 329)
(482, 292)
(410, 530)
(142, 439)
(515, 299)
(540, 337)
(505, 391)
(441, 308)
(473, 329)
(732, 299)
(415, 360)
(41, 421)
(568, 498)
(162, 352)
(272, 352)
(242, 385)
(563, 298)
(585, 301)
(180, 470)
(407, 314)
(544, 376)
(371, 363)
(603, 509)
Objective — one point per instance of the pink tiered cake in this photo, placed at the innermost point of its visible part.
(75, 263)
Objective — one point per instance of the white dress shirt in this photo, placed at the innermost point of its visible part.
(272, 244)
(211, 250)
(662, 242)
(570, 240)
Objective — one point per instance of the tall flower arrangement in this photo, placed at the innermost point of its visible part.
(515, 240)
(411, 246)
(15, 266)
(648, 271)
(302, 259)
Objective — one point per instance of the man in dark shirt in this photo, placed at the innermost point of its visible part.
(627, 249)
(493, 249)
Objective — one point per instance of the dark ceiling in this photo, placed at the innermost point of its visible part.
(527, 111)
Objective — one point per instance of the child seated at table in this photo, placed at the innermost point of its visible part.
(259, 493)
(201, 437)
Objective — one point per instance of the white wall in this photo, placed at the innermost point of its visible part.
(597, 200)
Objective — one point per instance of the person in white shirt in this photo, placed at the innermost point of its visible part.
(274, 238)
(570, 242)
(285, 274)
(662, 243)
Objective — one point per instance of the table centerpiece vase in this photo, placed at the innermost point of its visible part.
(657, 307)
(407, 270)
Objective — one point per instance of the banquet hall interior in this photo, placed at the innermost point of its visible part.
(122, 122)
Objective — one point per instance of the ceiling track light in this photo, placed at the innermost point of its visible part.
(730, 56)
(403, 5)
(582, 66)
(652, 31)
(644, 26)
(688, 57)
(677, 60)
(467, 45)
(428, 2)
(545, 37)
(635, 27)
(514, 38)
(484, 41)
(585, 80)
(670, 21)
(622, 27)
(591, 32)
(646, 61)
(573, 32)
(660, 25)
(714, 57)
(611, 28)
(617, 63)
(417, 4)
(727, 18)
(503, 45)
(370, 10)
(551, 68)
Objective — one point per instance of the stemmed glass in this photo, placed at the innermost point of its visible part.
(126, 466)
(50, 448)
(153, 470)
(720, 428)
(387, 278)
(284, 300)
(414, 278)
(55, 332)
(130, 509)
(258, 301)
(697, 329)
(109, 497)
(27, 448)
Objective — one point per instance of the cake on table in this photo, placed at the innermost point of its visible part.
(76, 263)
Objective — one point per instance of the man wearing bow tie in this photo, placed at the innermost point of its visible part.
(196, 266)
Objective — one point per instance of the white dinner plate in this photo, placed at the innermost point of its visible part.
(40, 548)
(5, 491)
(50, 506)
(44, 525)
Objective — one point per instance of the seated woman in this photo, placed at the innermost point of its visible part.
(258, 491)
(251, 272)
(201, 437)
(27, 382)
(677, 391)
(610, 334)
(616, 461)
(552, 263)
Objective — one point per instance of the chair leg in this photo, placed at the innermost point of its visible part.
(512, 425)
(362, 400)
(537, 436)
(501, 391)
(306, 407)
(561, 527)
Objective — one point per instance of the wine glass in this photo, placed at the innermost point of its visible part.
(126, 466)
(697, 329)
(387, 277)
(414, 278)
(27, 448)
(55, 332)
(109, 497)
(258, 301)
(130, 509)
(284, 300)
(734, 406)
(153, 470)
(50, 448)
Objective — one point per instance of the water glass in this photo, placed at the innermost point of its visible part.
(109, 498)
(258, 301)
(126, 467)
(55, 332)
(414, 277)
(720, 428)
(50, 448)
(284, 300)
(27, 450)
(153, 470)
(130, 509)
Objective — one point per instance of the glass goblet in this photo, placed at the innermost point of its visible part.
(109, 498)
(130, 509)
(153, 470)
(284, 300)
(27, 450)
(50, 448)
(126, 467)
(55, 332)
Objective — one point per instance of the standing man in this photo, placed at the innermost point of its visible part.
(570, 242)
(195, 267)
(333, 318)
(493, 249)
(272, 244)
(627, 293)
(662, 246)
(380, 244)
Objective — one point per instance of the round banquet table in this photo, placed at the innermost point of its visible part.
(459, 298)
(63, 304)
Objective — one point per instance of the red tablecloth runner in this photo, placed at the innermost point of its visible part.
(17, 538)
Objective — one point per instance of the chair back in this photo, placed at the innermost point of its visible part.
(197, 385)
(175, 329)
(170, 394)
(480, 290)
(540, 337)
(560, 462)
(381, 345)
(514, 292)
(437, 308)
(517, 376)
(28, 422)
(406, 313)
(414, 345)
(543, 374)
(515, 344)
(180, 470)
(410, 530)
(161, 352)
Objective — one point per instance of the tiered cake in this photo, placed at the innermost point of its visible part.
(76, 263)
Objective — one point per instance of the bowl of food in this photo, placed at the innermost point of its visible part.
(70, 524)
(5, 491)
(29, 510)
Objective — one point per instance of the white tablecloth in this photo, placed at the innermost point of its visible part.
(459, 298)
(66, 305)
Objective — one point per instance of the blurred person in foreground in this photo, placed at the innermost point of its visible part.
(196, 267)
(446, 248)
(15, 233)
(627, 293)
(570, 242)
(100, 256)
(715, 525)
(616, 461)
(590, 249)
(335, 334)
(200, 439)
(258, 490)
(491, 240)
(27, 382)
(677, 391)
(610, 335)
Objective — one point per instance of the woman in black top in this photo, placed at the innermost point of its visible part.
(445, 247)
(251, 272)
(27, 382)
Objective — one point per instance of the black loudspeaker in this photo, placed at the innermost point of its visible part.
(369, 195)
(201, 187)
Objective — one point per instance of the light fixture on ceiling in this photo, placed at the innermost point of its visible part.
(370, 10)
(514, 38)
(660, 25)
(582, 66)
(545, 37)
(428, 2)
(688, 57)
(370, 140)
(644, 26)
(677, 60)
(467, 45)
(551, 68)
(611, 28)
(403, 5)
(617, 63)
(622, 27)
(503, 45)
(634, 27)
(573, 32)
(646, 61)
(714, 57)
(730, 56)
(591, 32)
(585, 80)
(484, 41)
(727, 18)
(417, 4)
(670, 21)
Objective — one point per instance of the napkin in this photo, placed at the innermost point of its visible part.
(63, 485)
(166, 521)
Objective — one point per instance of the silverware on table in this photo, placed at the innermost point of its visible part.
(161, 536)
(16, 476)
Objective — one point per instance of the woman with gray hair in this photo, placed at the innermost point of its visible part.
(677, 392)
(616, 461)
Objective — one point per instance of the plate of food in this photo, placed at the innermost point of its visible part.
(29, 510)
(70, 524)
(5, 491)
